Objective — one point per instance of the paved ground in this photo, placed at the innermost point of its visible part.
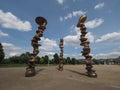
(72, 78)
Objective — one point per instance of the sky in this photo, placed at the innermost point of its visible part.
(18, 26)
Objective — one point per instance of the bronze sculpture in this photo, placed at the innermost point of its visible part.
(86, 49)
(30, 70)
(61, 55)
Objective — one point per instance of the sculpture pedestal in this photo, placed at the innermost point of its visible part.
(30, 73)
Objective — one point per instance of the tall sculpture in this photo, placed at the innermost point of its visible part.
(86, 49)
(30, 70)
(61, 55)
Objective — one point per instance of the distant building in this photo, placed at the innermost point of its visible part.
(112, 61)
(108, 61)
(117, 60)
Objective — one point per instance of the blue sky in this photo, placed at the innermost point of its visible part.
(17, 26)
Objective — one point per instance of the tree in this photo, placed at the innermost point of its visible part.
(56, 58)
(15, 59)
(46, 59)
(68, 60)
(24, 57)
(6, 61)
(73, 61)
(41, 60)
(51, 61)
(96, 61)
(37, 60)
(2, 55)
(64, 60)
(81, 61)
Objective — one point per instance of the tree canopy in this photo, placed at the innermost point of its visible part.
(56, 58)
(2, 55)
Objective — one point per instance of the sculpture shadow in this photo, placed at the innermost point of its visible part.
(39, 70)
(79, 73)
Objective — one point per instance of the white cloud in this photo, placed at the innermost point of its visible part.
(94, 23)
(8, 20)
(74, 55)
(73, 40)
(68, 16)
(3, 34)
(107, 55)
(50, 54)
(90, 37)
(10, 49)
(99, 6)
(60, 1)
(114, 36)
(72, 14)
(61, 18)
(78, 13)
(48, 45)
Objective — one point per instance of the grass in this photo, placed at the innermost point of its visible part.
(12, 65)
(22, 65)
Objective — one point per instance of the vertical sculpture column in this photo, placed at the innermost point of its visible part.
(86, 49)
(61, 55)
(30, 70)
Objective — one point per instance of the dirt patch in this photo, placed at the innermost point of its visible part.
(71, 78)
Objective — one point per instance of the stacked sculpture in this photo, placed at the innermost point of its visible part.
(86, 49)
(61, 55)
(30, 70)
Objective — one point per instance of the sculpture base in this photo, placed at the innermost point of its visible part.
(30, 73)
(60, 68)
(92, 74)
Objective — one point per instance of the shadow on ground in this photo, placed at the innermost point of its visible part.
(39, 70)
(79, 73)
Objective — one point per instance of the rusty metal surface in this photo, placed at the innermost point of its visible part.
(42, 22)
(86, 49)
(61, 55)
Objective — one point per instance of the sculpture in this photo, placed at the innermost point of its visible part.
(86, 49)
(30, 70)
(61, 55)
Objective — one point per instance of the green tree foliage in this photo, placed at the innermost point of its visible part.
(22, 59)
(64, 60)
(25, 57)
(51, 62)
(41, 60)
(73, 61)
(6, 61)
(81, 61)
(56, 58)
(68, 60)
(46, 59)
(96, 61)
(15, 59)
(37, 60)
(2, 55)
